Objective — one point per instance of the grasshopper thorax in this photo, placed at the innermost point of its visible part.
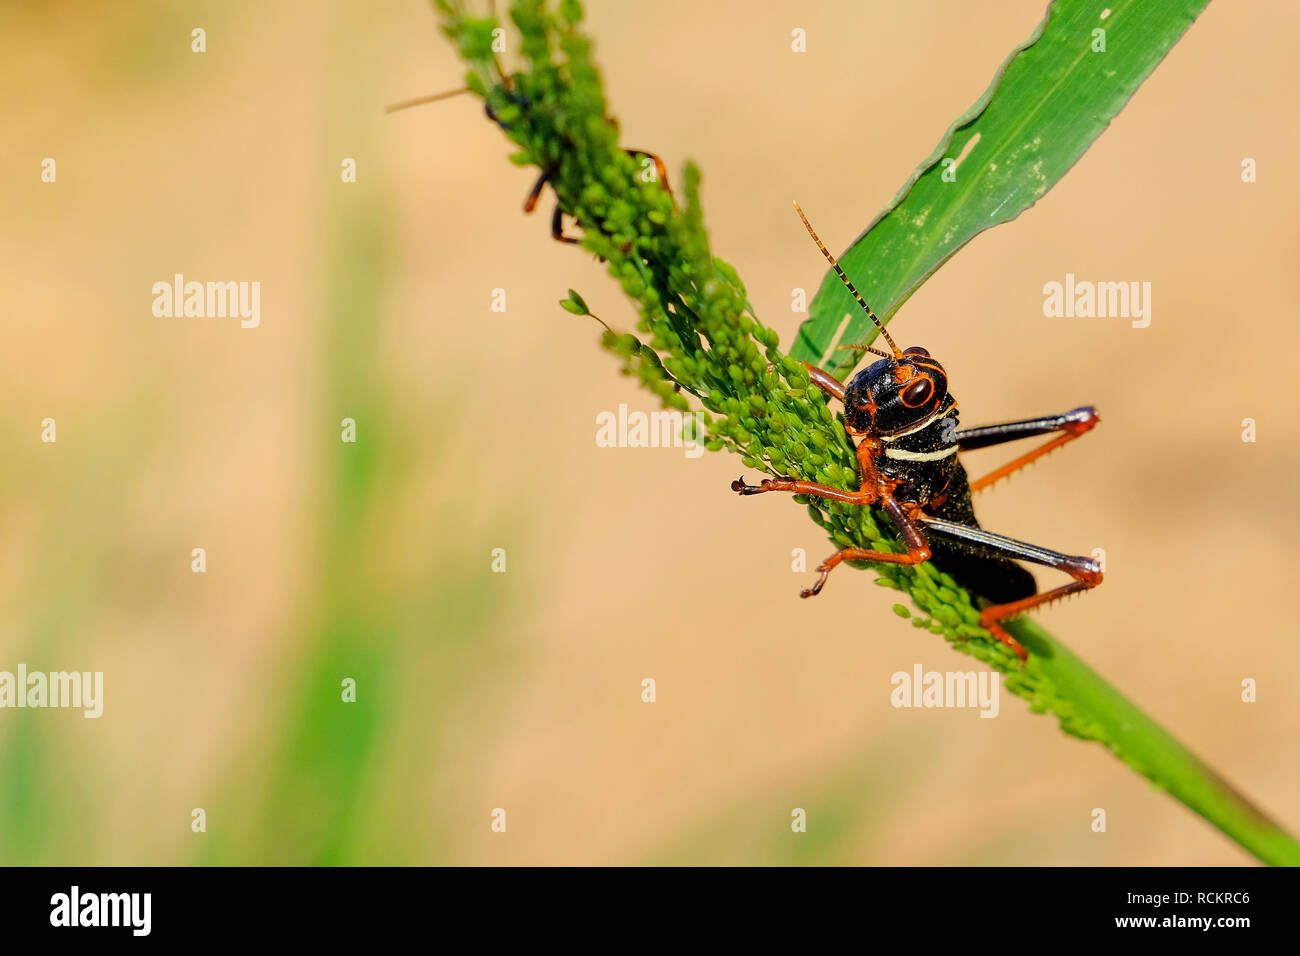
(895, 395)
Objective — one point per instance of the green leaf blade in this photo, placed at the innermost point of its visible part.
(1048, 103)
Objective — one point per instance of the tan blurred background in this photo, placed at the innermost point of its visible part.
(476, 431)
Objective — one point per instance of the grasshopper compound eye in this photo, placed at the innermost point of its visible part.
(918, 392)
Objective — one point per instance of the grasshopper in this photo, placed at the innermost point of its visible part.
(908, 448)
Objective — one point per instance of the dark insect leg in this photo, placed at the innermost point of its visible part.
(557, 226)
(1085, 571)
(557, 218)
(917, 549)
(1071, 425)
(661, 171)
(987, 435)
(535, 193)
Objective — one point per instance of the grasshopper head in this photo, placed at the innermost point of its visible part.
(893, 395)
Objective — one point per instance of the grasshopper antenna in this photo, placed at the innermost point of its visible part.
(421, 100)
(856, 295)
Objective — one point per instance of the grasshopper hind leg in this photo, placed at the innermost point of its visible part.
(982, 572)
(1085, 572)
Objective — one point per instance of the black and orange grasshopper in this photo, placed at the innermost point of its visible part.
(904, 418)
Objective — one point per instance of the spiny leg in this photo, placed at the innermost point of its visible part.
(1085, 571)
(1072, 424)
(918, 551)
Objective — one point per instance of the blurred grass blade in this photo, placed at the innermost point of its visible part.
(1051, 98)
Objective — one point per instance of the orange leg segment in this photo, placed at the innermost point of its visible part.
(827, 382)
(1071, 426)
(872, 489)
(992, 617)
(918, 550)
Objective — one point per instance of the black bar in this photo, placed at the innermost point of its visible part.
(470, 907)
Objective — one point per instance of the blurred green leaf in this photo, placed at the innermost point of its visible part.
(575, 304)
